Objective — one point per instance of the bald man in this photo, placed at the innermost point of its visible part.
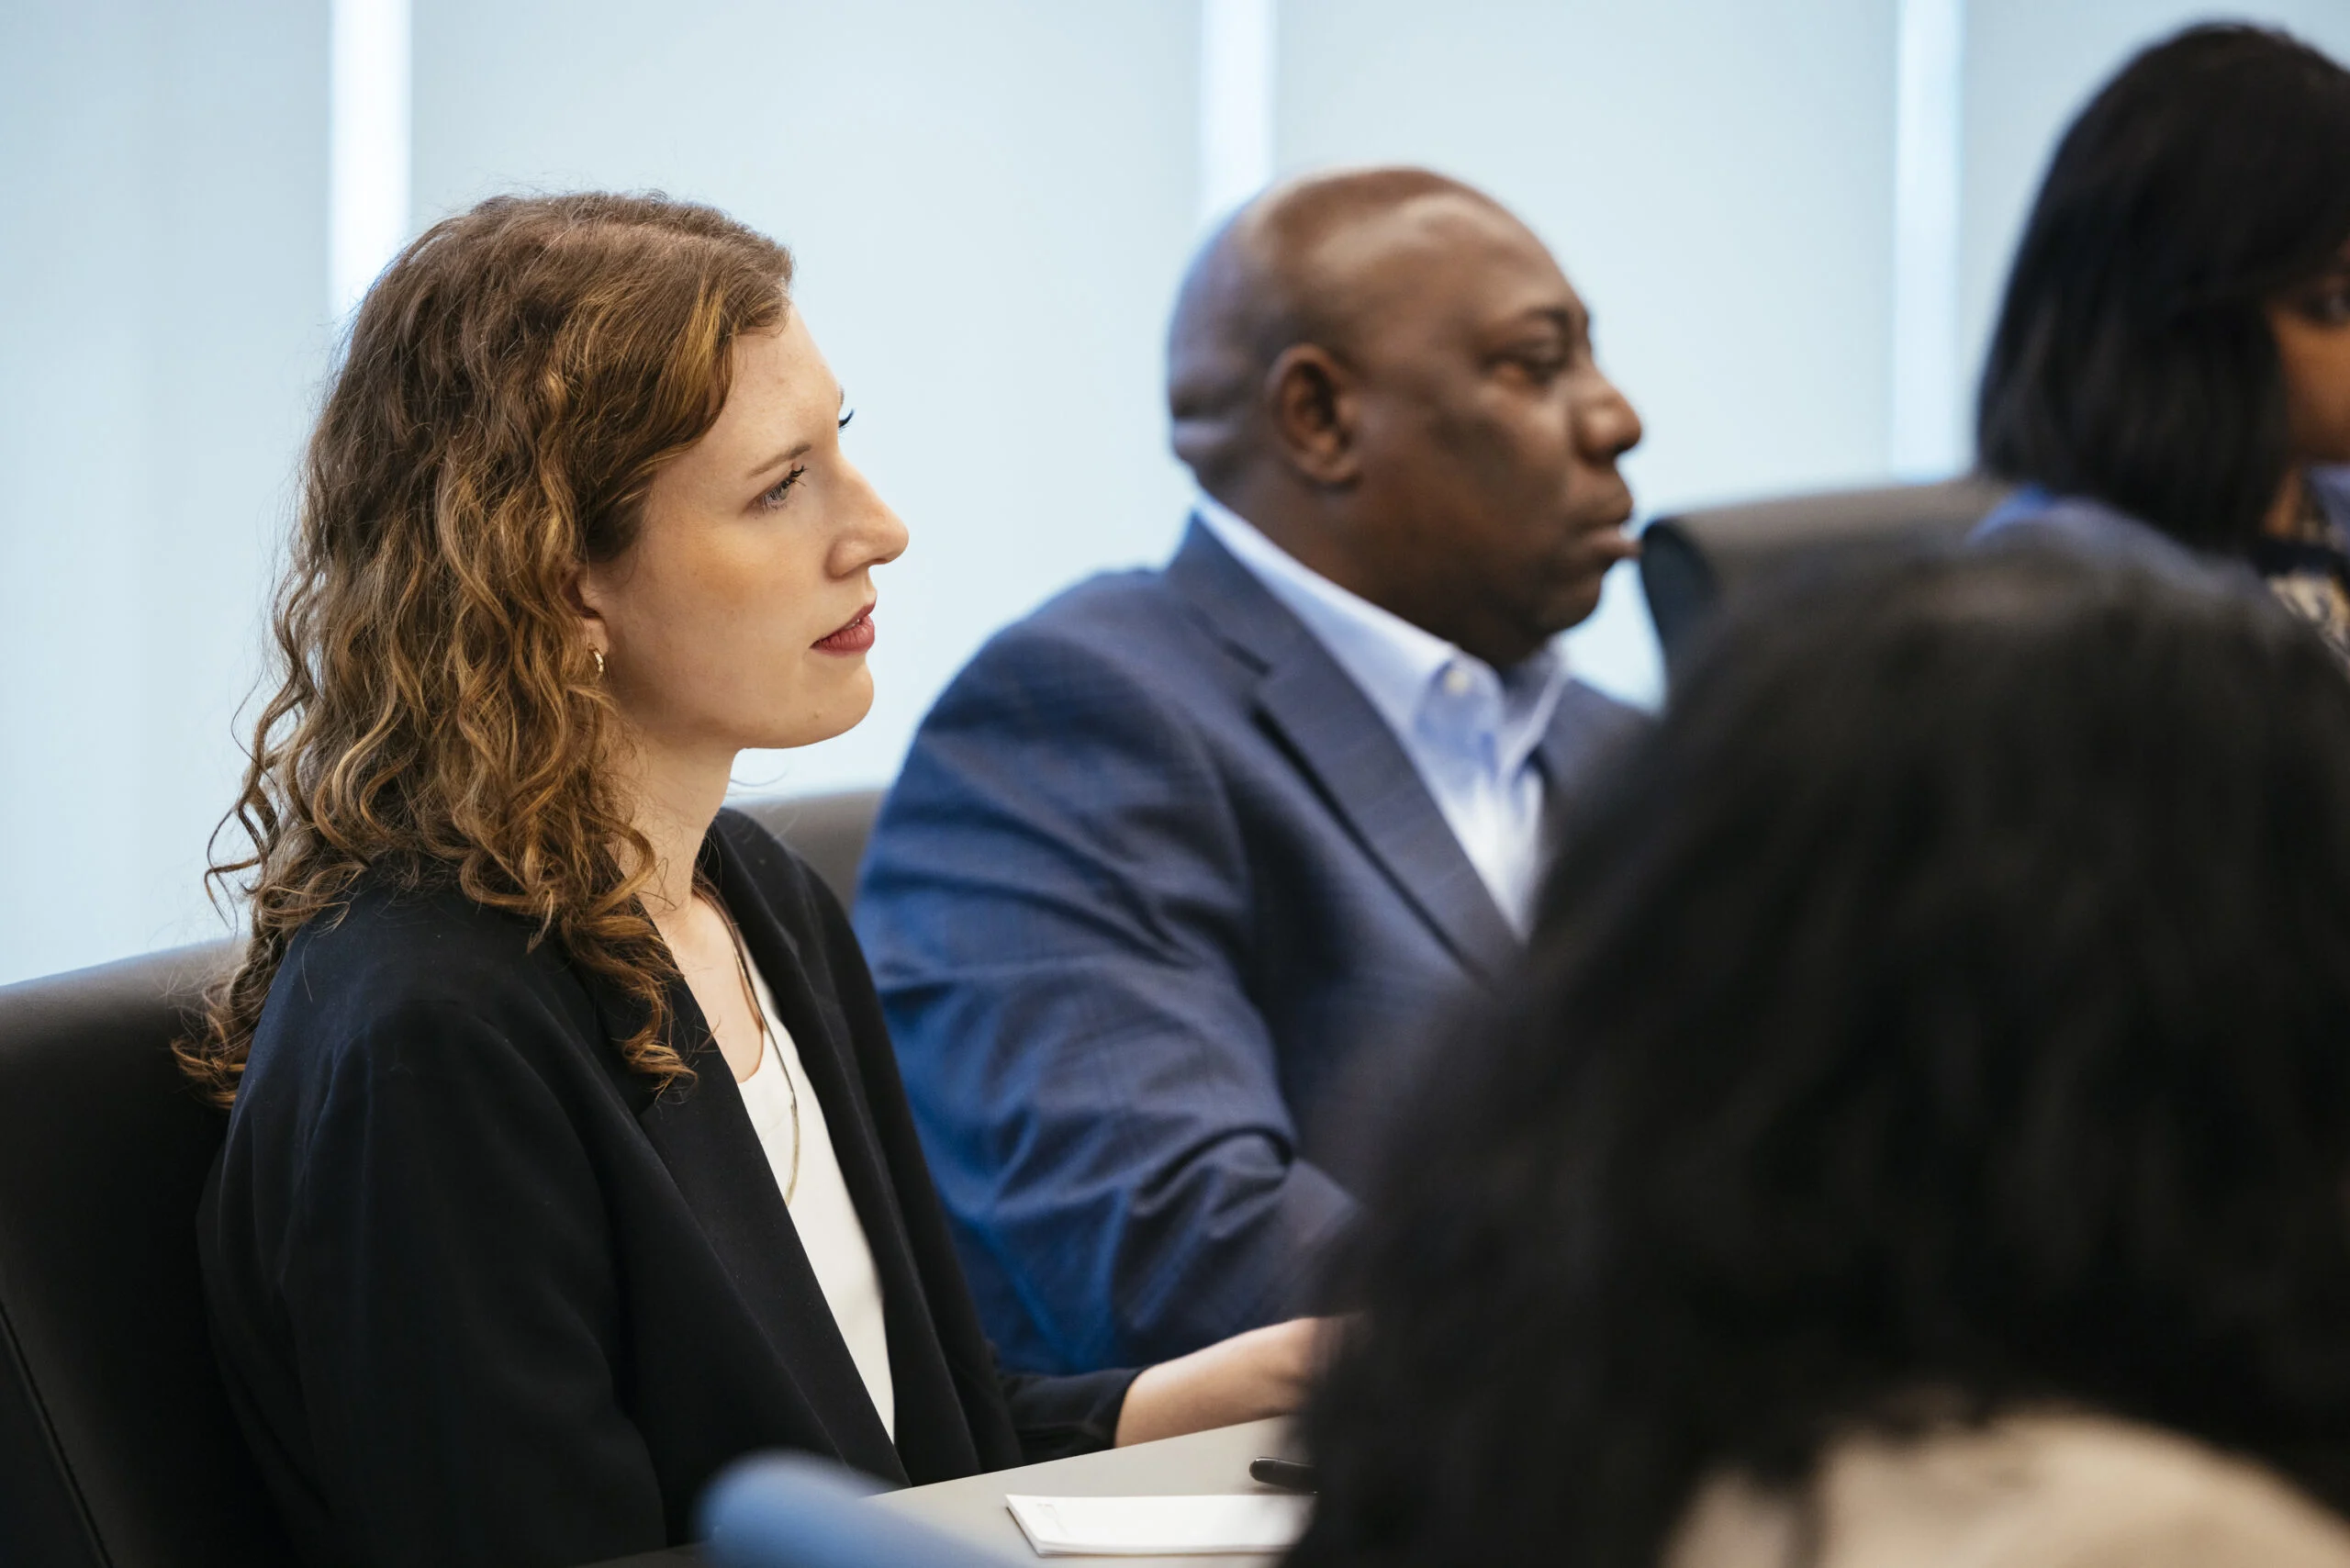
(1173, 853)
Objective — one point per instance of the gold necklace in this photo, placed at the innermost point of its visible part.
(751, 995)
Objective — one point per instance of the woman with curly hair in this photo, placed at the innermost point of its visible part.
(2170, 374)
(1920, 1134)
(568, 1159)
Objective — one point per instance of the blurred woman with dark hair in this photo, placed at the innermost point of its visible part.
(1921, 1131)
(2173, 354)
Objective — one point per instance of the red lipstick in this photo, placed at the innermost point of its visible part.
(852, 638)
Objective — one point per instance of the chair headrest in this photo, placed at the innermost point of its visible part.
(1692, 562)
(827, 831)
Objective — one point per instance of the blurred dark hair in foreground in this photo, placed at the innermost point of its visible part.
(1946, 1010)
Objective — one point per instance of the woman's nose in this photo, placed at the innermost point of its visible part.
(879, 535)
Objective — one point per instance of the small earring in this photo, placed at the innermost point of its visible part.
(599, 654)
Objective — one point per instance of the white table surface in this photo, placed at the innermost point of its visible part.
(973, 1508)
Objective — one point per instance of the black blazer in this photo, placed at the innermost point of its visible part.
(481, 1298)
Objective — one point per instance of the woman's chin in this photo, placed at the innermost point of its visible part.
(816, 722)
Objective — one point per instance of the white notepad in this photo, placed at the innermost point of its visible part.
(1161, 1527)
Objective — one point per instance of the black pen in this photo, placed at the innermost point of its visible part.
(1286, 1474)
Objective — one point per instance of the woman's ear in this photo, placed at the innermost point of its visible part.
(584, 593)
(1310, 406)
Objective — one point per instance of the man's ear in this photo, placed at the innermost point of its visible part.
(1310, 406)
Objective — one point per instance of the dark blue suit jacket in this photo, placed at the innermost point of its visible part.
(1154, 874)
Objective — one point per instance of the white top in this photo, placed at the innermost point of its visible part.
(2030, 1490)
(1471, 731)
(829, 1229)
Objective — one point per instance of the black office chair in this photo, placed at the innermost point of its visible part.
(828, 831)
(117, 1446)
(1692, 562)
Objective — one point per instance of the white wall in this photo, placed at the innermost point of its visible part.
(161, 256)
(992, 201)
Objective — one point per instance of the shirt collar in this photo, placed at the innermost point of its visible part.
(2331, 484)
(1401, 668)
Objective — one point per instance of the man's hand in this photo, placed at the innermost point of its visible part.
(1262, 1373)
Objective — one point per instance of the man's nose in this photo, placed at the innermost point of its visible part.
(1607, 426)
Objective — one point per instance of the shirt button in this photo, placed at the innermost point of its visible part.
(1457, 680)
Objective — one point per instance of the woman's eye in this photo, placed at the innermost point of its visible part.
(775, 494)
(2327, 305)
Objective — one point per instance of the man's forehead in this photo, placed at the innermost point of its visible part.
(1447, 254)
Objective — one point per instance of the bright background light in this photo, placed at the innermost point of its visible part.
(1237, 93)
(367, 196)
(1931, 433)
(1792, 217)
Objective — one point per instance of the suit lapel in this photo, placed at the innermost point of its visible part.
(704, 1135)
(933, 1437)
(1348, 751)
(1585, 727)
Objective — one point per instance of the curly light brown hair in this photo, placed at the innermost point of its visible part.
(510, 387)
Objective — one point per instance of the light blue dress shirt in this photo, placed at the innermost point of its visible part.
(1469, 730)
